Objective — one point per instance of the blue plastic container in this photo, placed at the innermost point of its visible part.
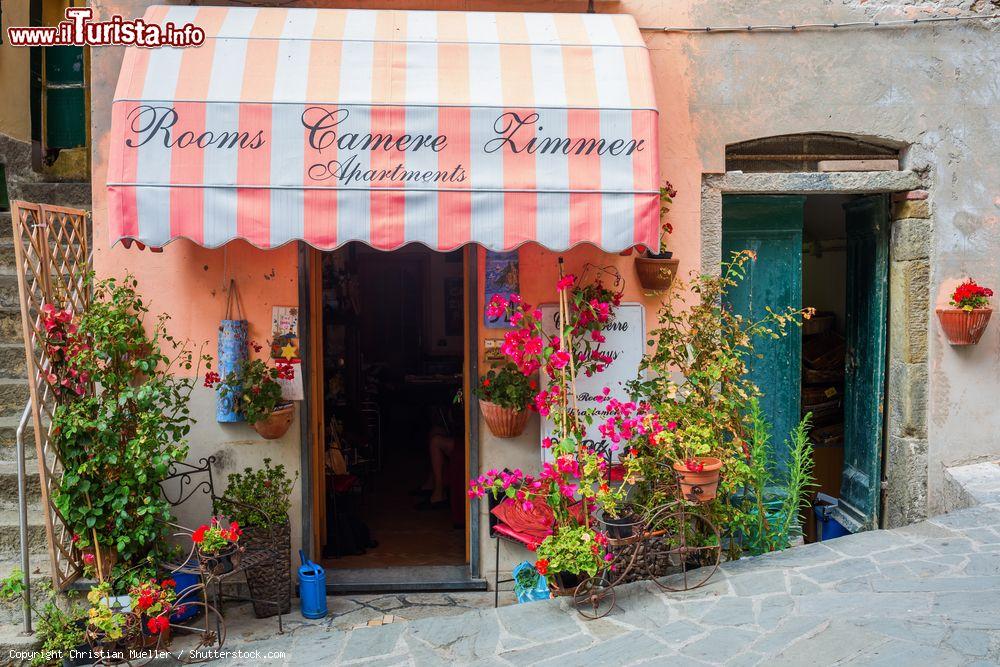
(182, 582)
(827, 528)
(312, 588)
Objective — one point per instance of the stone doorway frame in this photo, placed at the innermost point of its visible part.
(904, 460)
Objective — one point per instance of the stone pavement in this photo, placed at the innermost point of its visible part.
(927, 594)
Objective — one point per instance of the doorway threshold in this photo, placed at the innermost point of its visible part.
(424, 578)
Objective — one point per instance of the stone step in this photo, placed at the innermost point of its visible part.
(8, 482)
(12, 362)
(8, 439)
(14, 394)
(10, 325)
(10, 531)
(9, 299)
(6, 225)
(71, 194)
(13, 643)
(8, 259)
(40, 577)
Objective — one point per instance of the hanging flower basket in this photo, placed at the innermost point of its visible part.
(504, 422)
(700, 485)
(656, 274)
(277, 423)
(964, 327)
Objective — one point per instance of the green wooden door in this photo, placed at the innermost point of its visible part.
(867, 221)
(771, 226)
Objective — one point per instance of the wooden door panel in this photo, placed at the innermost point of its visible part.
(771, 226)
(864, 377)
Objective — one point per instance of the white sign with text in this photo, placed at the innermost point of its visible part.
(626, 342)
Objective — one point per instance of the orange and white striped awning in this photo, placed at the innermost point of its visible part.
(387, 127)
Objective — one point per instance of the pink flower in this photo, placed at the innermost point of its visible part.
(566, 281)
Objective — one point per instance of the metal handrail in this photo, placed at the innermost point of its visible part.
(22, 503)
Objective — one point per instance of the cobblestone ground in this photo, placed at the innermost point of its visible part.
(928, 594)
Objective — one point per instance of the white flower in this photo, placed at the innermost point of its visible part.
(585, 537)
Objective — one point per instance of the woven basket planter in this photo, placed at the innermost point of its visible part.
(655, 274)
(270, 585)
(964, 327)
(504, 422)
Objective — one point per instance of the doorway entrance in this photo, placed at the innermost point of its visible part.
(392, 365)
(829, 252)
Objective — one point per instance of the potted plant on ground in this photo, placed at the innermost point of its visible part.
(218, 546)
(255, 391)
(574, 481)
(656, 270)
(61, 630)
(504, 396)
(259, 500)
(112, 631)
(153, 601)
(966, 320)
(121, 419)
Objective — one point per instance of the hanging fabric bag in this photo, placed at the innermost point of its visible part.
(232, 353)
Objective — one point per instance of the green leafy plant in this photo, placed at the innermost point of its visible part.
(708, 347)
(767, 510)
(254, 388)
(506, 386)
(261, 497)
(60, 629)
(105, 620)
(117, 441)
(573, 549)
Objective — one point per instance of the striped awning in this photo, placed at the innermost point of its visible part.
(387, 127)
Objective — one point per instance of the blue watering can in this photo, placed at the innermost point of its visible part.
(312, 588)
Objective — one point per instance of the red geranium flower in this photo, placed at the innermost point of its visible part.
(158, 624)
(542, 565)
(199, 535)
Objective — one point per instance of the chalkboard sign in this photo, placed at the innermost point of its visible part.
(626, 342)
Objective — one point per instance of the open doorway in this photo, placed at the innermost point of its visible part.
(829, 252)
(393, 352)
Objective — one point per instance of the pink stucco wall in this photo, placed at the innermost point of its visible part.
(929, 89)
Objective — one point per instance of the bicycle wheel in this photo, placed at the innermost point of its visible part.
(594, 597)
(685, 551)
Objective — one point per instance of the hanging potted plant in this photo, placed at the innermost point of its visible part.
(656, 270)
(966, 320)
(218, 547)
(504, 395)
(257, 393)
(259, 500)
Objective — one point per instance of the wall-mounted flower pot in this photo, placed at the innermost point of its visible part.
(964, 327)
(277, 423)
(504, 422)
(700, 485)
(656, 274)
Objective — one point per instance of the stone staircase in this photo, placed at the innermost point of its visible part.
(26, 185)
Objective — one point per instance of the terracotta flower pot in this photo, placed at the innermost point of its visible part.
(276, 424)
(504, 422)
(700, 486)
(655, 274)
(964, 327)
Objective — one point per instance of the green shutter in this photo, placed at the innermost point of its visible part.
(65, 97)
